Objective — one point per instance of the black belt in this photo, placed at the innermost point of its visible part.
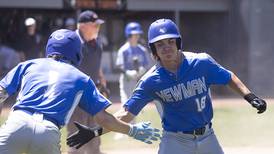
(30, 111)
(198, 131)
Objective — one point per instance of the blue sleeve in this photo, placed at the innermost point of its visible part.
(93, 101)
(140, 98)
(12, 81)
(216, 74)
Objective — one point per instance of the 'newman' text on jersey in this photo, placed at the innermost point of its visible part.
(177, 92)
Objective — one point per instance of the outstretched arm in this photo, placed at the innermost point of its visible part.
(140, 131)
(109, 122)
(237, 85)
(122, 115)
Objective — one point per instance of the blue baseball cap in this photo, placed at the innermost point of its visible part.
(89, 16)
(67, 44)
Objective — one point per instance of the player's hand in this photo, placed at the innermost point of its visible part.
(259, 104)
(143, 132)
(83, 135)
(131, 74)
(256, 102)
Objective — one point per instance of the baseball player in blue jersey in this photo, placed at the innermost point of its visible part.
(49, 90)
(180, 82)
(132, 60)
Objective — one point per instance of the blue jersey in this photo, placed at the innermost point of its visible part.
(53, 88)
(185, 96)
(127, 53)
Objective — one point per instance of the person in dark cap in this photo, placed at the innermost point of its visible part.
(88, 26)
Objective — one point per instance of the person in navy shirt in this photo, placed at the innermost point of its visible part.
(180, 84)
(88, 27)
(49, 91)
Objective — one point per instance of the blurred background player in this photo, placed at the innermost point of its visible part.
(50, 89)
(70, 24)
(88, 28)
(9, 58)
(31, 43)
(132, 61)
(180, 82)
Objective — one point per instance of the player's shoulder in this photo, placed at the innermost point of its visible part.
(197, 57)
(124, 47)
(151, 76)
(74, 70)
(142, 47)
(33, 61)
(194, 55)
(60, 65)
(69, 70)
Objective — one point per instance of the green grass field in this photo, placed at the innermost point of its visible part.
(236, 125)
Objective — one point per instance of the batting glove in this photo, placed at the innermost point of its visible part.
(143, 132)
(131, 74)
(83, 135)
(256, 102)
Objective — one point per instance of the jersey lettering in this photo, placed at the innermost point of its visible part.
(176, 92)
(180, 91)
(165, 95)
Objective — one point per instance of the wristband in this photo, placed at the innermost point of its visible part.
(98, 132)
(130, 130)
(250, 97)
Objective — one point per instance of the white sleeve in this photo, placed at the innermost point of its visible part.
(120, 59)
